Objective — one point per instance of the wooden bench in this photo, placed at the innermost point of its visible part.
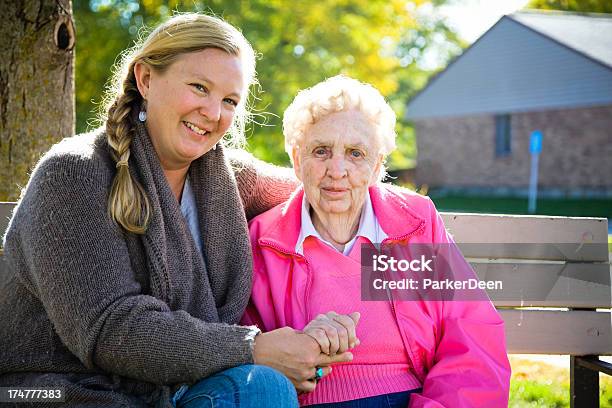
(556, 297)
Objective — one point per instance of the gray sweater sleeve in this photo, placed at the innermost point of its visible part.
(261, 185)
(79, 267)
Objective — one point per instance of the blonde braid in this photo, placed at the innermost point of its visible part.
(128, 204)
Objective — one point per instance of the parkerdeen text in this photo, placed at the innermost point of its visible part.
(433, 284)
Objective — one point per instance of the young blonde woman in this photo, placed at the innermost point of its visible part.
(128, 253)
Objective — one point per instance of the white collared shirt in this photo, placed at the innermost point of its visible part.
(368, 227)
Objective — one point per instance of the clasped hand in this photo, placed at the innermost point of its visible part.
(333, 332)
(323, 342)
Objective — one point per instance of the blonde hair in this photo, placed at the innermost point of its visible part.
(128, 204)
(337, 94)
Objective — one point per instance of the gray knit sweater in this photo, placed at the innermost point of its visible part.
(117, 318)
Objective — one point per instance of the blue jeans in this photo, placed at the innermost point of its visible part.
(395, 400)
(246, 386)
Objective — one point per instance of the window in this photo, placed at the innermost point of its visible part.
(503, 136)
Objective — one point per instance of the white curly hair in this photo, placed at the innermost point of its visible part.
(337, 94)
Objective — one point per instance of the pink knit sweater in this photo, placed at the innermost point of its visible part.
(380, 364)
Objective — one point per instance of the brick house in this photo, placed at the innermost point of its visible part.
(531, 71)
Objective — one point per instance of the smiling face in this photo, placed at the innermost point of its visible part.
(190, 105)
(337, 160)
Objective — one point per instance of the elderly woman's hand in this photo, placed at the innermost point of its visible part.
(335, 333)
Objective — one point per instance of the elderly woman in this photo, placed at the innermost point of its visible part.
(307, 267)
(128, 255)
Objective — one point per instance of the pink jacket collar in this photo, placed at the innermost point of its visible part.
(389, 207)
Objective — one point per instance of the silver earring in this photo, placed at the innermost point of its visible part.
(215, 147)
(142, 115)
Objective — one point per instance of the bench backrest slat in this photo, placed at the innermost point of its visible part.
(520, 229)
(555, 332)
(6, 210)
(577, 285)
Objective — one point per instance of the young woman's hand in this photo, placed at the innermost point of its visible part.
(333, 332)
(296, 355)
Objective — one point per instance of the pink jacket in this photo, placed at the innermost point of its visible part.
(456, 349)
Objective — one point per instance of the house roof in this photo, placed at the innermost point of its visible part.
(527, 61)
(588, 34)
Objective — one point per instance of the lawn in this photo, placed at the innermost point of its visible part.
(538, 384)
(506, 205)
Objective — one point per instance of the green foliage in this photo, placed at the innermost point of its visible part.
(584, 6)
(301, 43)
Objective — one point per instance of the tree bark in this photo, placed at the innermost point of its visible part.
(36, 85)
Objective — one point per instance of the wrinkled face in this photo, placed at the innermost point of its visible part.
(337, 160)
(191, 105)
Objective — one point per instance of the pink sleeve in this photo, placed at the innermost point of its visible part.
(259, 311)
(251, 316)
(470, 367)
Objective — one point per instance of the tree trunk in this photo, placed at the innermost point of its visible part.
(36, 85)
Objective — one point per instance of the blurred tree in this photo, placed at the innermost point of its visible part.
(36, 86)
(584, 6)
(301, 43)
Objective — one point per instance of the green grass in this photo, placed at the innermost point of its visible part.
(502, 205)
(535, 394)
(537, 384)
(545, 394)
